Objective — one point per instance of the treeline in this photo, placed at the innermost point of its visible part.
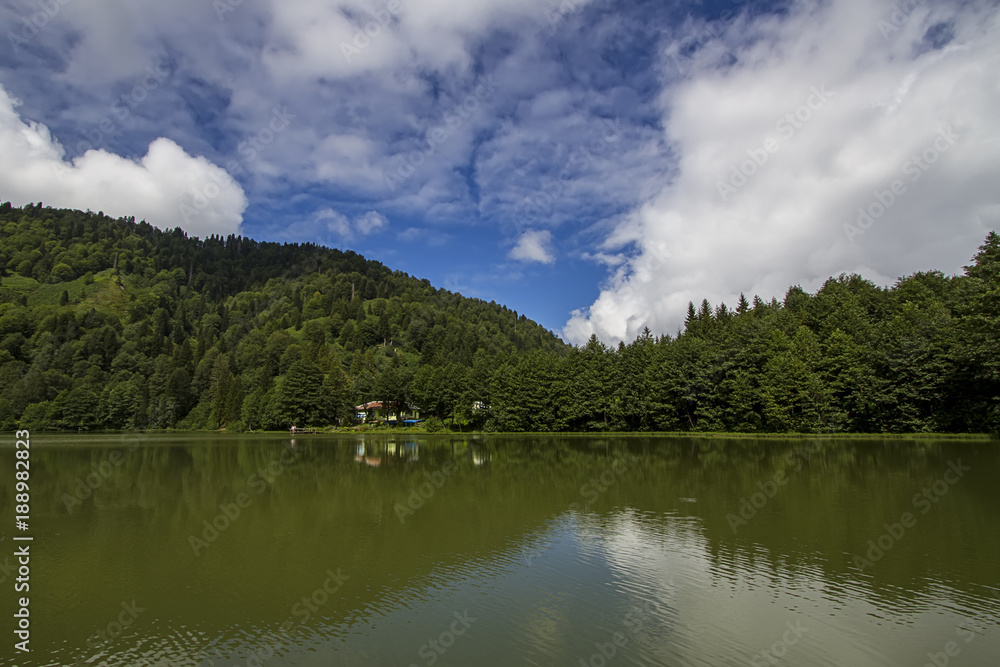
(109, 324)
(923, 355)
(113, 324)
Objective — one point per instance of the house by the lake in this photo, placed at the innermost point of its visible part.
(377, 411)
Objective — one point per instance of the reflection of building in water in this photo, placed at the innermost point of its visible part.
(480, 456)
(368, 455)
(411, 450)
(377, 452)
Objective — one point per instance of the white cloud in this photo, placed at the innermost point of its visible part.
(336, 222)
(318, 38)
(339, 224)
(160, 187)
(356, 117)
(533, 246)
(786, 223)
(538, 154)
(370, 222)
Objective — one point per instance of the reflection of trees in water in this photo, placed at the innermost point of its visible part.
(838, 496)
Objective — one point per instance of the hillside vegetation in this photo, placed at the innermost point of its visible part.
(109, 324)
(112, 324)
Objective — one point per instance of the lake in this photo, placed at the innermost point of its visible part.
(205, 549)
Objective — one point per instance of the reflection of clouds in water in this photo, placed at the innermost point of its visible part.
(685, 600)
(676, 603)
(545, 629)
(651, 563)
(543, 584)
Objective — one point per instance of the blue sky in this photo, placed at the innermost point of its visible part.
(591, 164)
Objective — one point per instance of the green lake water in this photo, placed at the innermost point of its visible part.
(199, 549)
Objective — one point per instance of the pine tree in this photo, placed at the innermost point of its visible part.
(691, 317)
(743, 305)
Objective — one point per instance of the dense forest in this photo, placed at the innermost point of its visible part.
(113, 324)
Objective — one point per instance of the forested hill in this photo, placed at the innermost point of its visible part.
(110, 323)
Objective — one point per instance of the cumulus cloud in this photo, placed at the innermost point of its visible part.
(166, 187)
(370, 222)
(339, 224)
(534, 246)
(369, 87)
(318, 38)
(621, 136)
(837, 137)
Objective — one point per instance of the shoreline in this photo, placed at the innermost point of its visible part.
(568, 434)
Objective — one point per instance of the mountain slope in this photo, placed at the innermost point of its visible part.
(115, 324)
(112, 324)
